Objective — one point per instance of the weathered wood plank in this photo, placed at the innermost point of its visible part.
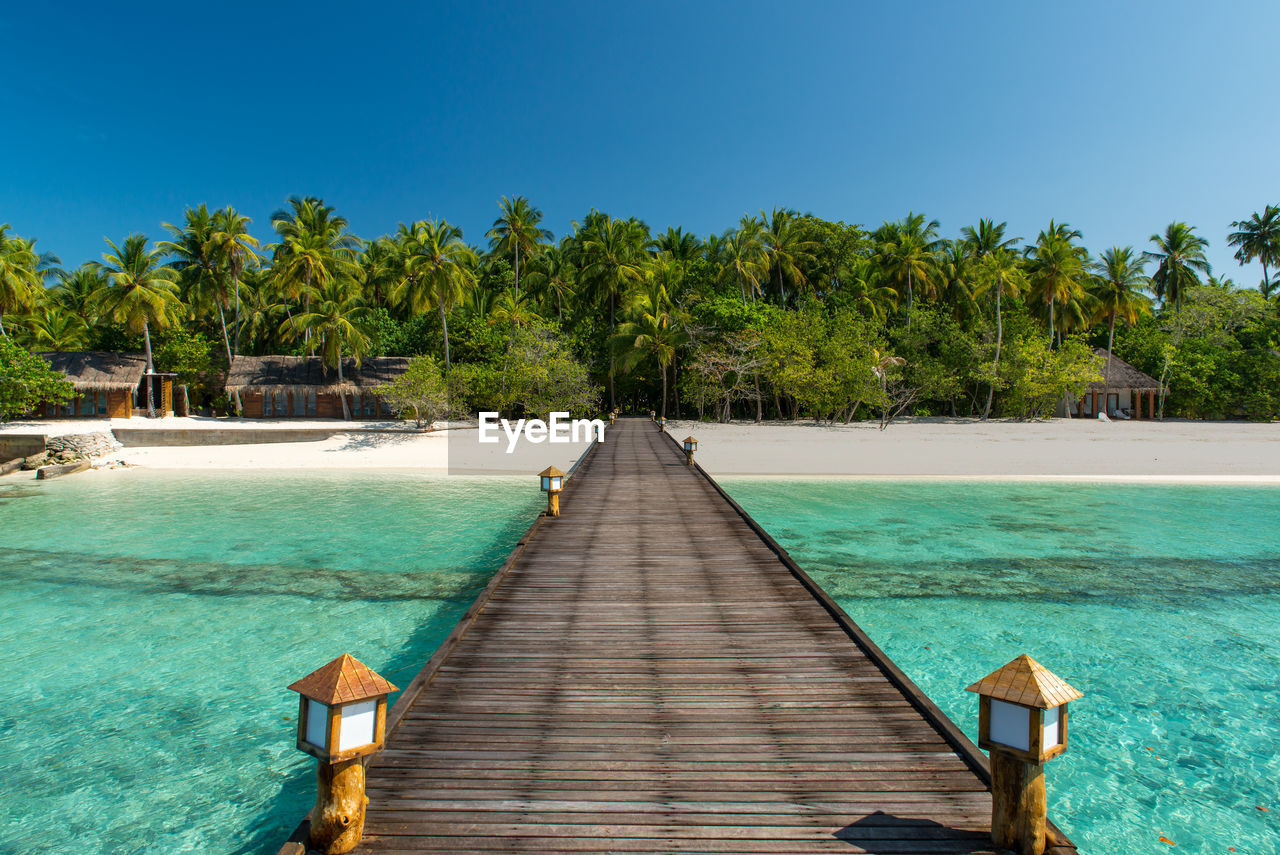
(650, 672)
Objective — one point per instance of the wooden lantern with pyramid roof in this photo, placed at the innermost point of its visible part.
(552, 483)
(1022, 710)
(342, 711)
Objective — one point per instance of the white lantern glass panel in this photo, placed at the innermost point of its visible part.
(1052, 731)
(555, 482)
(317, 722)
(1010, 725)
(358, 721)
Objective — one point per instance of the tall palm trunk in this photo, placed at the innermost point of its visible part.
(663, 408)
(342, 395)
(612, 358)
(995, 366)
(151, 405)
(517, 274)
(2, 332)
(226, 341)
(444, 324)
(1111, 339)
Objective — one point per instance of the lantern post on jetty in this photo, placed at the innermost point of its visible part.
(1022, 721)
(690, 446)
(342, 718)
(552, 482)
(662, 425)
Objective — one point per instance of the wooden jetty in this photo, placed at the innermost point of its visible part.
(651, 672)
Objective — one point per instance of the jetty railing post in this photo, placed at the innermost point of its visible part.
(1022, 721)
(662, 425)
(552, 481)
(342, 718)
(690, 446)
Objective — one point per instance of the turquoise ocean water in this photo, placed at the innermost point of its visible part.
(1161, 603)
(153, 620)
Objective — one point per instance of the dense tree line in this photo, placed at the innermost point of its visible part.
(784, 315)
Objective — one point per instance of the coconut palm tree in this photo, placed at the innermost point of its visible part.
(338, 319)
(906, 254)
(612, 258)
(998, 271)
(651, 330)
(141, 292)
(677, 245)
(1119, 280)
(517, 232)
(742, 257)
(1057, 269)
(786, 249)
(20, 279)
(54, 328)
(1258, 237)
(552, 277)
(314, 249)
(860, 280)
(235, 252)
(987, 237)
(1179, 254)
(195, 258)
(438, 271)
(75, 289)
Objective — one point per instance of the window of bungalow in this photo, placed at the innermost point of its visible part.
(282, 403)
(299, 401)
(311, 402)
(266, 405)
(102, 402)
(355, 403)
(371, 406)
(87, 404)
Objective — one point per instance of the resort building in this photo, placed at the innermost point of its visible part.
(1123, 392)
(108, 386)
(300, 387)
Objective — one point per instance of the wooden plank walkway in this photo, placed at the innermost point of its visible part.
(651, 673)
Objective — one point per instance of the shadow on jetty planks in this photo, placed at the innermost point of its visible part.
(651, 672)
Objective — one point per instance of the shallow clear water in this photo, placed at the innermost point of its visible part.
(1161, 603)
(152, 622)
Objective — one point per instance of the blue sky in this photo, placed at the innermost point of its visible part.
(1116, 118)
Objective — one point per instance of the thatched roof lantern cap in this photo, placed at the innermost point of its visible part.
(550, 472)
(551, 480)
(343, 681)
(1027, 683)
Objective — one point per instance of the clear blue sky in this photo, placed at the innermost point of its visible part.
(1116, 118)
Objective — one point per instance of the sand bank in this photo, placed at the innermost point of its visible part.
(1174, 451)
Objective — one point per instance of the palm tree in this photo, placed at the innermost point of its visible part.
(986, 238)
(75, 289)
(20, 278)
(314, 250)
(998, 270)
(235, 251)
(742, 257)
(613, 256)
(552, 277)
(1057, 269)
(517, 232)
(55, 328)
(382, 264)
(1258, 237)
(786, 249)
(1119, 280)
(650, 331)
(860, 279)
(338, 320)
(905, 253)
(1180, 255)
(438, 269)
(140, 291)
(678, 246)
(195, 260)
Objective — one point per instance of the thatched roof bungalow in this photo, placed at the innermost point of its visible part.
(304, 387)
(107, 385)
(1120, 391)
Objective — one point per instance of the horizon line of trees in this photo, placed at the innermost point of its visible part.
(784, 315)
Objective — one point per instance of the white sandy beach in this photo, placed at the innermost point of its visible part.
(1081, 449)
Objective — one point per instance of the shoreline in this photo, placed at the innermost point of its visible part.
(1056, 451)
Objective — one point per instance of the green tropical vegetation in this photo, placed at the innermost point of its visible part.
(784, 315)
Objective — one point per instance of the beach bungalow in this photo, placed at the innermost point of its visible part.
(1120, 392)
(300, 387)
(107, 386)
